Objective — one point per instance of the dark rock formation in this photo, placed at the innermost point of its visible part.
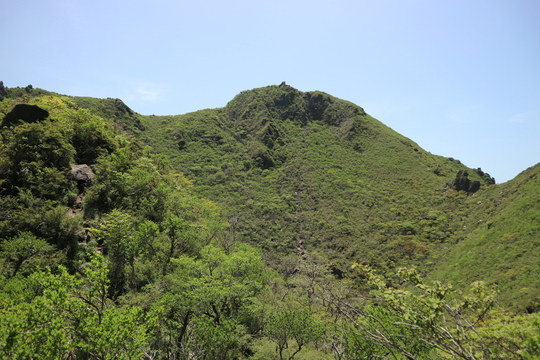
(82, 172)
(463, 183)
(24, 113)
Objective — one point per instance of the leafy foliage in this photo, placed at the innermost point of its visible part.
(69, 316)
(25, 249)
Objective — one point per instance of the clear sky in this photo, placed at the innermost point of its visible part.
(459, 77)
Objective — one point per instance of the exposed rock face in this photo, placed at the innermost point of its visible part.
(25, 113)
(84, 175)
(463, 183)
(82, 172)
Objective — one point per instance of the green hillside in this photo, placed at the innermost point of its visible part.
(307, 172)
(285, 225)
(504, 249)
(304, 173)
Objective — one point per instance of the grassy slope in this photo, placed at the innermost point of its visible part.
(309, 172)
(505, 248)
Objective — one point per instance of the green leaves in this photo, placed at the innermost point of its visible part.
(294, 173)
(40, 156)
(218, 284)
(292, 329)
(207, 302)
(426, 320)
(72, 317)
(23, 251)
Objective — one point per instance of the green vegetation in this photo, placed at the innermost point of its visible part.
(504, 244)
(286, 225)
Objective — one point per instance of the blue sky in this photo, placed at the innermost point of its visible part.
(460, 78)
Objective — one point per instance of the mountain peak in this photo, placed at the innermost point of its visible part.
(284, 102)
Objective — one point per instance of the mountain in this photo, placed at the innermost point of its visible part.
(275, 195)
(313, 169)
(305, 173)
(302, 173)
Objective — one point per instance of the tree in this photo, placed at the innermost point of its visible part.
(26, 249)
(116, 233)
(70, 317)
(208, 302)
(40, 156)
(422, 322)
(292, 325)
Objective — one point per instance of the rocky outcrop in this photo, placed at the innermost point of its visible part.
(82, 172)
(22, 113)
(84, 176)
(463, 183)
